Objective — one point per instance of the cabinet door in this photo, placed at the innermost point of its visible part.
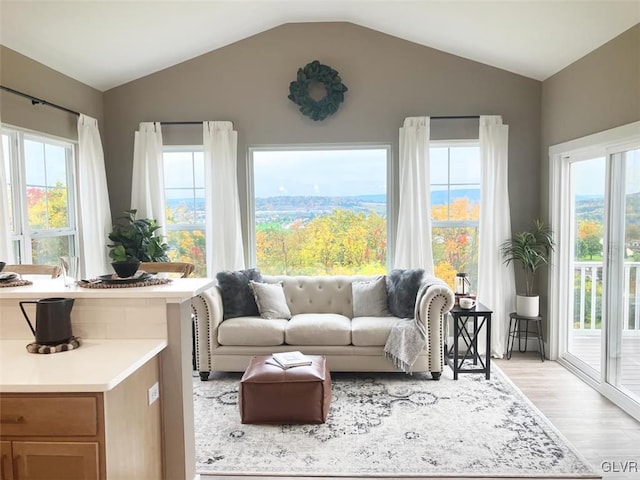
(56, 460)
(6, 461)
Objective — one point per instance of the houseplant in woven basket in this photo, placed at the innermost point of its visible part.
(134, 240)
(531, 249)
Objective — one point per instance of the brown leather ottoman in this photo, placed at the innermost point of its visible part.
(269, 394)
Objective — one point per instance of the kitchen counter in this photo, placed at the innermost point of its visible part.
(97, 366)
(160, 315)
(175, 292)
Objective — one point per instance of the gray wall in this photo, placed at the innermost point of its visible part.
(28, 76)
(388, 79)
(598, 92)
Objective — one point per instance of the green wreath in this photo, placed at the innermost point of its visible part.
(312, 73)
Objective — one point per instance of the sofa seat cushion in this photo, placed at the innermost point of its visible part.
(318, 329)
(251, 331)
(371, 331)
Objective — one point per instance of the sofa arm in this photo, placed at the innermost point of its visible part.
(207, 315)
(433, 305)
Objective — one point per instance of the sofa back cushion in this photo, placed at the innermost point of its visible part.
(318, 294)
(370, 298)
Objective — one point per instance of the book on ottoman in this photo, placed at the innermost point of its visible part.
(291, 359)
(276, 395)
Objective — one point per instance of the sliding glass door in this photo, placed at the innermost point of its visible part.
(623, 332)
(594, 295)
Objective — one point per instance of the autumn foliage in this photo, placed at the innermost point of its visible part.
(47, 209)
(346, 242)
(343, 242)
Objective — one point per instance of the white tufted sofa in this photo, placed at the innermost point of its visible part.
(322, 324)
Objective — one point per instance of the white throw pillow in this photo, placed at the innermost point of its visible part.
(270, 300)
(370, 298)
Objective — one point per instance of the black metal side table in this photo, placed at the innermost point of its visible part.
(515, 331)
(476, 317)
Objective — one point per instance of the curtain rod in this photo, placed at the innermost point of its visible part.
(38, 101)
(454, 117)
(435, 117)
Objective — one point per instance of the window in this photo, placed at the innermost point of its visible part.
(40, 173)
(455, 208)
(320, 211)
(185, 210)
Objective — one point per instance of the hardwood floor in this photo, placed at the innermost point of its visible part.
(604, 434)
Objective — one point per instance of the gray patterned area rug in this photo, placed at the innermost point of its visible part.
(389, 425)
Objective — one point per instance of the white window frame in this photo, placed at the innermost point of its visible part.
(454, 144)
(456, 223)
(190, 227)
(391, 215)
(602, 144)
(184, 226)
(22, 234)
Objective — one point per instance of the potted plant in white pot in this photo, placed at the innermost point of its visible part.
(135, 241)
(531, 249)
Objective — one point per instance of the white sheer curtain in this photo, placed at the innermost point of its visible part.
(147, 180)
(93, 200)
(224, 233)
(413, 237)
(496, 281)
(6, 248)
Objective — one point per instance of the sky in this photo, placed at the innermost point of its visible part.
(589, 176)
(46, 164)
(314, 172)
(364, 172)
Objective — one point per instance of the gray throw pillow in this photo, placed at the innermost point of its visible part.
(271, 300)
(402, 289)
(237, 297)
(370, 298)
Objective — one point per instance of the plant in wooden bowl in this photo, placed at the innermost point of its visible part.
(134, 241)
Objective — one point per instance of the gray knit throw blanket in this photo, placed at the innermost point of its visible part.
(408, 336)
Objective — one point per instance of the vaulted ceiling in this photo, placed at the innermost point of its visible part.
(107, 43)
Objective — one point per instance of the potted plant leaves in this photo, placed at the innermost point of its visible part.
(134, 241)
(531, 249)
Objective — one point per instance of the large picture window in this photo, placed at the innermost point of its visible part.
(455, 208)
(40, 173)
(185, 212)
(320, 211)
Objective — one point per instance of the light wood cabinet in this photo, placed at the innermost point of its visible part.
(6, 461)
(83, 436)
(56, 460)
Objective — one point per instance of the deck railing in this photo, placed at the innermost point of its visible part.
(588, 294)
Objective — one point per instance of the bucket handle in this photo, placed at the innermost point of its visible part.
(25, 315)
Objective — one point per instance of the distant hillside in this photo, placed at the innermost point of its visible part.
(588, 207)
(441, 197)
